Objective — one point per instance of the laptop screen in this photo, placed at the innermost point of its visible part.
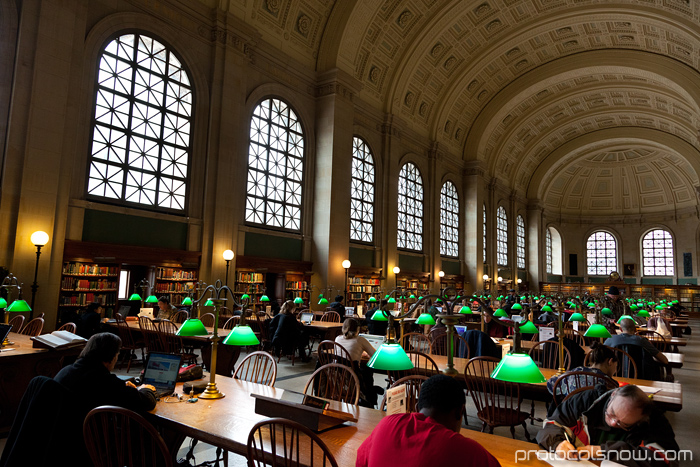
(374, 339)
(4, 331)
(146, 312)
(460, 329)
(349, 311)
(306, 317)
(161, 370)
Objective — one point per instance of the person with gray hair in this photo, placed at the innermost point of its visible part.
(629, 337)
(621, 425)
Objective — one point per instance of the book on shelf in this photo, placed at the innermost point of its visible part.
(249, 277)
(58, 339)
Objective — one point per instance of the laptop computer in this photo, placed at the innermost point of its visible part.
(349, 311)
(374, 339)
(148, 312)
(161, 372)
(306, 318)
(460, 329)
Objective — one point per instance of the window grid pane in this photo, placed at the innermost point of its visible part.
(275, 166)
(548, 250)
(502, 237)
(657, 253)
(601, 254)
(140, 145)
(362, 192)
(449, 215)
(484, 232)
(520, 241)
(410, 212)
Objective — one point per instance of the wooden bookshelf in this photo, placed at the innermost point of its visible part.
(176, 283)
(83, 283)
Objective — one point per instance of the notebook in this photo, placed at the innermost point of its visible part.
(374, 339)
(161, 372)
(306, 318)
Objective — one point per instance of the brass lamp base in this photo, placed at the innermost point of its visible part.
(211, 392)
(560, 371)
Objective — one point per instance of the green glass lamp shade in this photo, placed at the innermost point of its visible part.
(324, 301)
(3, 303)
(412, 297)
(466, 311)
(390, 356)
(425, 318)
(18, 306)
(547, 309)
(578, 297)
(597, 330)
(624, 317)
(187, 301)
(500, 297)
(658, 307)
(386, 296)
(518, 368)
(606, 311)
(650, 303)
(501, 313)
(528, 328)
(264, 298)
(643, 313)
(523, 298)
(517, 307)
(298, 300)
(372, 300)
(320, 296)
(210, 303)
(153, 299)
(245, 296)
(438, 301)
(192, 327)
(392, 300)
(420, 298)
(379, 316)
(634, 307)
(134, 297)
(674, 302)
(241, 335)
(591, 305)
(577, 317)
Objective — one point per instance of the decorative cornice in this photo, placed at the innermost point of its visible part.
(335, 88)
(225, 37)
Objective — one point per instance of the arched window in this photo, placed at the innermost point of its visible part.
(601, 254)
(140, 148)
(501, 237)
(484, 231)
(275, 166)
(657, 253)
(520, 241)
(449, 220)
(410, 225)
(362, 192)
(548, 250)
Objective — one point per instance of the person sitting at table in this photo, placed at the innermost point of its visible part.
(356, 345)
(288, 333)
(376, 327)
(90, 321)
(621, 425)
(494, 328)
(602, 360)
(337, 305)
(547, 317)
(165, 309)
(429, 437)
(629, 336)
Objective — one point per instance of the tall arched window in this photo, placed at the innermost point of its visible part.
(275, 166)
(449, 220)
(601, 254)
(548, 250)
(142, 122)
(410, 225)
(520, 241)
(484, 231)
(657, 253)
(501, 237)
(362, 192)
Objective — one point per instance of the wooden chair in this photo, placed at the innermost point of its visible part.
(626, 366)
(70, 327)
(258, 367)
(208, 320)
(33, 328)
(336, 382)
(413, 384)
(150, 335)
(16, 323)
(117, 436)
(264, 329)
(497, 402)
(129, 344)
(278, 438)
(573, 382)
(655, 338)
(440, 346)
(172, 343)
(180, 317)
(332, 352)
(331, 317)
(423, 365)
(231, 322)
(416, 341)
(546, 355)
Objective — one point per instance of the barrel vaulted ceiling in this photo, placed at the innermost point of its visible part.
(590, 106)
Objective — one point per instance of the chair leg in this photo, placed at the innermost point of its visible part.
(490, 429)
(483, 427)
(532, 412)
(527, 433)
(512, 430)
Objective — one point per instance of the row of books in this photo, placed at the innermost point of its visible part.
(90, 269)
(170, 287)
(366, 288)
(175, 274)
(249, 277)
(71, 283)
(363, 281)
(109, 299)
(297, 285)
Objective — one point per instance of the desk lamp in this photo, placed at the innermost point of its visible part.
(516, 366)
(16, 306)
(390, 355)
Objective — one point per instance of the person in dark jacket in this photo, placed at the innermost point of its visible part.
(90, 321)
(287, 333)
(90, 378)
(337, 305)
(376, 327)
(621, 425)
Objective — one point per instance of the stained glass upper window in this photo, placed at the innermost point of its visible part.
(501, 237)
(520, 241)
(362, 192)
(601, 254)
(275, 166)
(548, 250)
(141, 133)
(449, 220)
(410, 212)
(657, 253)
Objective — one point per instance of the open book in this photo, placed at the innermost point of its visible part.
(58, 339)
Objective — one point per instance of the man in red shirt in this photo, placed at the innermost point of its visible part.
(430, 437)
